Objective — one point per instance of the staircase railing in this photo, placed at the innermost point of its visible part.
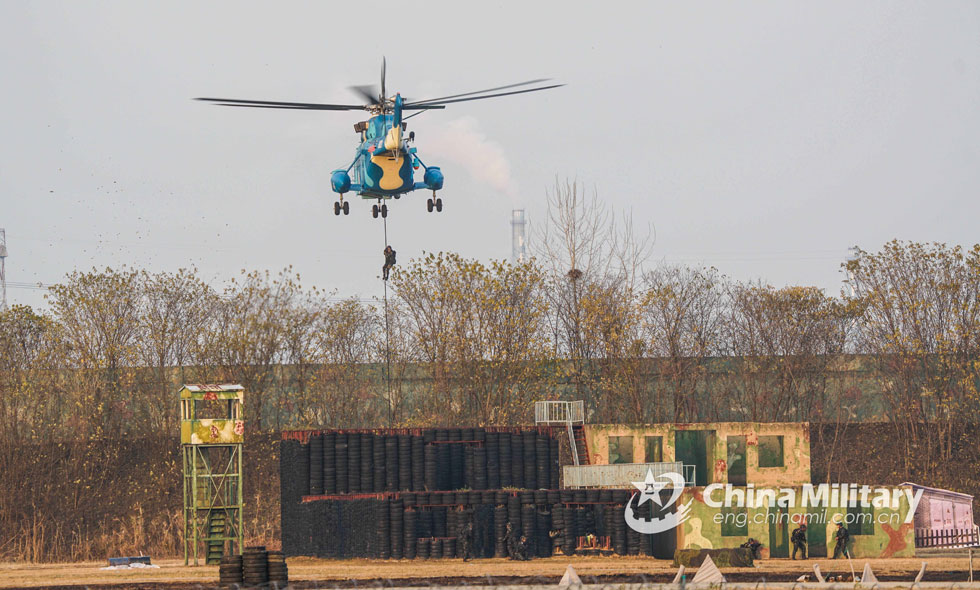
(559, 412)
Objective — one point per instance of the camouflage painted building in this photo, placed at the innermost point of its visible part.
(752, 480)
(722, 452)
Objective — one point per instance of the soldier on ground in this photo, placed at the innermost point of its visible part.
(510, 541)
(842, 537)
(466, 540)
(799, 540)
(523, 549)
(753, 546)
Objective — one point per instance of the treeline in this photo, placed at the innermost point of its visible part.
(468, 342)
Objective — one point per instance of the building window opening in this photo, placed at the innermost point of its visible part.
(736, 460)
(771, 451)
(654, 449)
(620, 449)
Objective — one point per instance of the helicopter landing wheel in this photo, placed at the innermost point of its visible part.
(429, 205)
(384, 211)
(374, 211)
(336, 208)
(346, 208)
(439, 205)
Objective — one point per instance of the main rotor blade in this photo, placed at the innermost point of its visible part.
(368, 92)
(445, 102)
(480, 91)
(420, 107)
(272, 104)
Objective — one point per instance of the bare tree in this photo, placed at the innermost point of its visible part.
(99, 313)
(784, 340)
(479, 329)
(584, 251)
(175, 307)
(682, 314)
(345, 387)
(921, 322)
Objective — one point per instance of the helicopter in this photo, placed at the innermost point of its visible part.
(385, 162)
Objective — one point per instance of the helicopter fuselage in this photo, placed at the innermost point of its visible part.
(384, 165)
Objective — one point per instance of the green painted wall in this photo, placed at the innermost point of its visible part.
(890, 537)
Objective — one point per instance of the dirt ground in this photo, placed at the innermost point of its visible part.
(309, 572)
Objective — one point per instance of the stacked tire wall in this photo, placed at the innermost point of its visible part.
(365, 462)
(428, 525)
(407, 494)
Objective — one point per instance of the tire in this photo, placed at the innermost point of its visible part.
(336, 208)
(374, 211)
(439, 205)
(553, 463)
(430, 470)
(449, 547)
(429, 205)
(443, 467)
(391, 463)
(530, 460)
(329, 463)
(367, 462)
(354, 463)
(492, 445)
(479, 469)
(503, 448)
(418, 463)
(410, 535)
(316, 465)
(404, 462)
(378, 474)
(346, 208)
(343, 484)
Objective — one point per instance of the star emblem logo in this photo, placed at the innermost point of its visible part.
(649, 489)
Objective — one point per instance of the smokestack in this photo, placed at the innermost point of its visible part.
(518, 241)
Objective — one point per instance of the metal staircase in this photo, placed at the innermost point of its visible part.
(580, 448)
(216, 533)
(571, 415)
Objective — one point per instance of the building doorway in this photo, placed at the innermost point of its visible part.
(691, 448)
(778, 518)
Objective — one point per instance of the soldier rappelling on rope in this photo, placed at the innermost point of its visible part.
(389, 262)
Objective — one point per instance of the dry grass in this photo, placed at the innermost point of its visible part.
(88, 573)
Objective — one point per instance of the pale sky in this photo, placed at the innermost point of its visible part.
(763, 138)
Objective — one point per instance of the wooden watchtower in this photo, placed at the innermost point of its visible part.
(212, 432)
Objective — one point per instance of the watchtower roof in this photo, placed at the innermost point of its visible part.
(215, 391)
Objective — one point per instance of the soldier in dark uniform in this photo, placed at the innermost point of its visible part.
(523, 549)
(842, 537)
(466, 541)
(753, 546)
(510, 541)
(799, 540)
(389, 262)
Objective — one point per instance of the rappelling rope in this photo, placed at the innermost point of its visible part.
(387, 340)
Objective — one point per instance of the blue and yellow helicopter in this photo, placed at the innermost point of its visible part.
(384, 164)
